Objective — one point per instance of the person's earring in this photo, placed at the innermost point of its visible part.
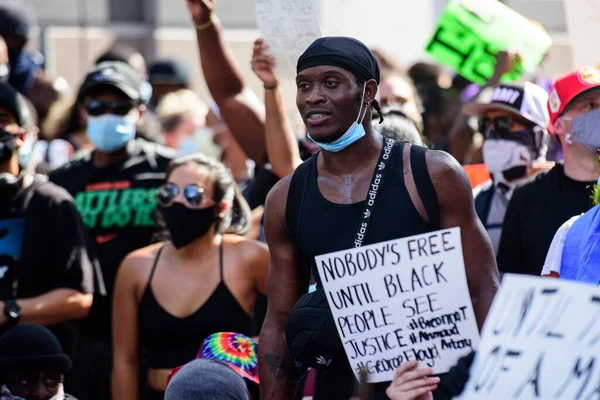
(568, 139)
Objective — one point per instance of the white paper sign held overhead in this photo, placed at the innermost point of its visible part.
(288, 27)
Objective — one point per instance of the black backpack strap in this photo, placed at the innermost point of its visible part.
(425, 187)
(295, 198)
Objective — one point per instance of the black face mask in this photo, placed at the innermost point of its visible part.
(13, 54)
(187, 224)
(8, 145)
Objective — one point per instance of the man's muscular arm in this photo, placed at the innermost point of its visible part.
(288, 280)
(455, 198)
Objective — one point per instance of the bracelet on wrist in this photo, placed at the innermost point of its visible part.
(207, 24)
(271, 87)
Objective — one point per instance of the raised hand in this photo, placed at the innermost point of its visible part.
(412, 383)
(263, 64)
(505, 63)
(201, 10)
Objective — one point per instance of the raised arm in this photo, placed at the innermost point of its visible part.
(126, 367)
(288, 280)
(460, 138)
(226, 82)
(282, 146)
(455, 198)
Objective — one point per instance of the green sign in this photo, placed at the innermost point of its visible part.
(471, 32)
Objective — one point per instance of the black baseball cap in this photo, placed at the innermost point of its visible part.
(14, 102)
(116, 74)
(169, 71)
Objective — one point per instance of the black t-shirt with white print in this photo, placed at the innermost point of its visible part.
(118, 204)
(44, 245)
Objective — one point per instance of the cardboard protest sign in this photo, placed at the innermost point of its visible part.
(541, 340)
(583, 20)
(288, 27)
(401, 300)
(471, 32)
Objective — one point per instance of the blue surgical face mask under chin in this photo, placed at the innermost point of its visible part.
(353, 134)
(109, 133)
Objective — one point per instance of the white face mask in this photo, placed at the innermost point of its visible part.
(501, 156)
(201, 141)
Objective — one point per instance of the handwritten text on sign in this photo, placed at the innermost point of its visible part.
(541, 340)
(401, 300)
(289, 27)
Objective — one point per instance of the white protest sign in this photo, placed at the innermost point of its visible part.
(541, 340)
(401, 300)
(288, 27)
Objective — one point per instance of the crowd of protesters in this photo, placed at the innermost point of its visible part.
(154, 246)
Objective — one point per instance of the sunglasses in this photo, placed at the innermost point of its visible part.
(499, 124)
(100, 107)
(192, 195)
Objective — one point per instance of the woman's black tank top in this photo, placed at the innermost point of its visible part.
(322, 227)
(171, 341)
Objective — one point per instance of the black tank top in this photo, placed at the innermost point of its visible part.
(171, 341)
(321, 226)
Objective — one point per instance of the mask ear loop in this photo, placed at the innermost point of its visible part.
(360, 120)
(568, 139)
(568, 136)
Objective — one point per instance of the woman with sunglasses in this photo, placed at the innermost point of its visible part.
(172, 295)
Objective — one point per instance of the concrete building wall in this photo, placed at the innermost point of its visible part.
(74, 32)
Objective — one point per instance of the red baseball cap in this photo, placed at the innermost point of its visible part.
(567, 87)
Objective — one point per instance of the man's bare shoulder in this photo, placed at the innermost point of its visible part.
(447, 175)
(277, 197)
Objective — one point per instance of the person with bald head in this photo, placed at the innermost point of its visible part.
(322, 208)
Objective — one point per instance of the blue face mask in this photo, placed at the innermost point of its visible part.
(354, 133)
(110, 132)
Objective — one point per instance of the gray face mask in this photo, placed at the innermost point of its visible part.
(586, 129)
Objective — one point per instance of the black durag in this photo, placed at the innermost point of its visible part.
(343, 52)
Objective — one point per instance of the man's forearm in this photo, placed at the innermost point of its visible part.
(226, 85)
(274, 363)
(222, 76)
(124, 379)
(482, 306)
(486, 291)
(56, 306)
(282, 146)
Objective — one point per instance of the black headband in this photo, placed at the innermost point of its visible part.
(343, 52)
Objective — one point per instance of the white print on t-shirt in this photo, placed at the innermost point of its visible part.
(3, 270)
